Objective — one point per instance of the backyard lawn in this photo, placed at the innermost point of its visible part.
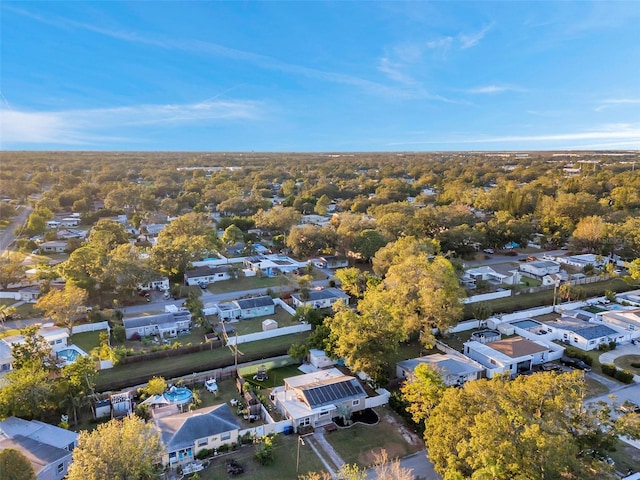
(358, 443)
(136, 373)
(87, 341)
(249, 283)
(253, 325)
(283, 466)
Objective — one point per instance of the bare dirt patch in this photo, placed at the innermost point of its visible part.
(409, 436)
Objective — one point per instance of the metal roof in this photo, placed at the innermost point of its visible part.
(595, 331)
(255, 302)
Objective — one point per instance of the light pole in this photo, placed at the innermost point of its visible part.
(300, 441)
(555, 289)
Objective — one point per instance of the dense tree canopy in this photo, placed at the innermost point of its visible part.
(119, 449)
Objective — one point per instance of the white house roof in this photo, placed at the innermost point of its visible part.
(443, 363)
(630, 317)
(37, 431)
(543, 264)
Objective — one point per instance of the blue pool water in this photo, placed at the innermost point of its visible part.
(525, 324)
(70, 354)
(178, 395)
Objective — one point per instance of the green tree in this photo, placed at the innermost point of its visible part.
(107, 235)
(394, 252)
(15, 466)
(352, 280)
(277, 219)
(63, 306)
(590, 234)
(6, 311)
(232, 235)
(308, 240)
(122, 449)
(531, 427)
(367, 243)
(156, 386)
(11, 271)
(423, 390)
(27, 392)
(365, 341)
(32, 350)
(322, 205)
(194, 304)
(634, 269)
(76, 384)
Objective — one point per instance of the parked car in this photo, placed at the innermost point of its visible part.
(143, 293)
(629, 407)
(488, 250)
(575, 363)
(551, 367)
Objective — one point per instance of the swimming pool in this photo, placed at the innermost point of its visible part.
(526, 324)
(178, 395)
(69, 354)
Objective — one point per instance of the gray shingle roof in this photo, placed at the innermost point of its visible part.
(182, 430)
(39, 454)
(255, 302)
(205, 271)
(160, 319)
(595, 331)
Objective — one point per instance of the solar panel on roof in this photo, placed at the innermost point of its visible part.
(323, 394)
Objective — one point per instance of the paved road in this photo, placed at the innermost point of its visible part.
(419, 464)
(501, 258)
(7, 236)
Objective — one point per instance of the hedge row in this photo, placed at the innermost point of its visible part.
(625, 376)
(575, 353)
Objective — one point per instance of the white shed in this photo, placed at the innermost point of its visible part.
(319, 359)
(269, 324)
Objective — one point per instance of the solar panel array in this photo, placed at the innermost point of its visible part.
(323, 394)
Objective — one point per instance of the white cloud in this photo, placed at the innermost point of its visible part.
(628, 134)
(90, 126)
(470, 40)
(613, 102)
(490, 89)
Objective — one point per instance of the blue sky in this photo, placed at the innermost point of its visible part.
(319, 76)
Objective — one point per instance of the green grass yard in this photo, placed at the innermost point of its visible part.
(625, 362)
(249, 283)
(135, 373)
(253, 325)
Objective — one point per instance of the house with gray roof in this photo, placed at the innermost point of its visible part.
(47, 447)
(454, 369)
(168, 324)
(207, 274)
(579, 329)
(324, 298)
(540, 268)
(185, 434)
(316, 398)
(256, 306)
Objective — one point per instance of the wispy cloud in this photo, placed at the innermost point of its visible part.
(491, 89)
(614, 102)
(470, 40)
(630, 133)
(215, 50)
(92, 126)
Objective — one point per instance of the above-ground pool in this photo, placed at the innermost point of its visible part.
(178, 395)
(69, 354)
(526, 324)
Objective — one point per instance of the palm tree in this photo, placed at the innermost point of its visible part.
(6, 311)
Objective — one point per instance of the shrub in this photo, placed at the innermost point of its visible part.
(635, 364)
(264, 453)
(575, 353)
(135, 337)
(204, 453)
(609, 369)
(625, 376)
(118, 333)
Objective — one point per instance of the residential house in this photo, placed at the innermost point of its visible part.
(331, 262)
(186, 434)
(70, 222)
(494, 275)
(582, 261)
(540, 268)
(454, 369)
(626, 322)
(53, 224)
(271, 265)
(206, 275)
(56, 337)
(256, 306)
(581, 334)
(161, 283)
(54, 246)
(316, 398)
(168, 324)
(555, 278)
(46, 447)
(246, 308)
(320, 298)
(512, 355)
